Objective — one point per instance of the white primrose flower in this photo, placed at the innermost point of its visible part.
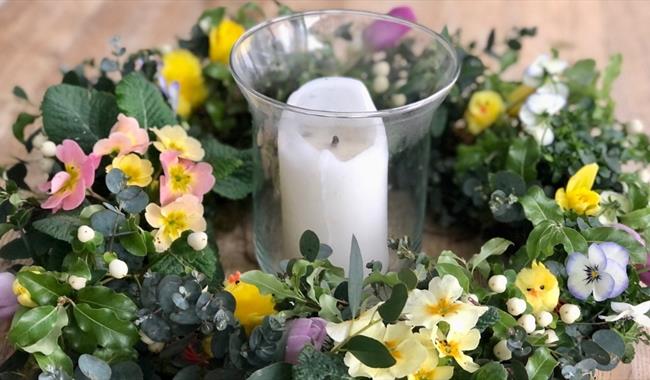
(542, 65)
(547, 101)
(626, 311)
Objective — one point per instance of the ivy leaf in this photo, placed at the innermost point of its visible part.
(523, 156)
(102, 297)
(370, 352)
(103, 324)
(540, 365)
(392, 308)
(355, 282)
(44, 288)
(34, 326)
(62, 226)
(268, 284)
(83, 115)
(538, 207)
(141, 99)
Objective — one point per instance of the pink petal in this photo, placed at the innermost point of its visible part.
(53, 202)
(165, 192)
(58, 181)
(385, 34)
(70, 152)
(76, 198)
(204, 178)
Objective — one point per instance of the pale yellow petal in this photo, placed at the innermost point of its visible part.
(153, 215)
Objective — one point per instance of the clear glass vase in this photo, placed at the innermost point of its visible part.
(342, 103)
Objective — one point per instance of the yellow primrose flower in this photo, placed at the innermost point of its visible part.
(539, 286)
(137, 170)
(222, 38)
(483, 110)
(578, 195)
(251, 306)
(171, 220)
(455, 343)
(342, 330)
(174, 138)
(23, 295)
(429, 369)
(402, 344)
(184, 68)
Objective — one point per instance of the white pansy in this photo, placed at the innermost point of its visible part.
(543, 64)
(498, 283)
(197, 240)
(85, 234)
(626, 311)
(613, 204)
(569, 313)
(535, 113)
(118, 268)
(501, 350)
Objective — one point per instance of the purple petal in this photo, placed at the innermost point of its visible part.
(615, 252)
(578, 287)
(632, 232)
(619, 275)
(8, 301)
(385, 34)
(603, 287)
(597, 256)
(576, 262)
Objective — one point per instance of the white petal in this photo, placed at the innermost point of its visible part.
(619, 276)
(597, 256)
(555, 66)
(576, 263)
(554, 88)
(603, 286)
(542, 133)
(620, 307)
(527, 116)
(611, 318)
(642, 320)
(642, 308)
(616, 253)
(578, 287)
(545, 103)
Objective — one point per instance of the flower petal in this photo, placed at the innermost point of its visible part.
(575, 263)
(619, 275)
(578, 287)
(597, 256)
(615, 252)
(584, 178)
(603, 287)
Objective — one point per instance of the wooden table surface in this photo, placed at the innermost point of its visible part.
(37, 38)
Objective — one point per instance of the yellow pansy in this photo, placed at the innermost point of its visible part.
(539, 286)
(171, 220)
(455, 343)
(137, 170)
(174, 138)
(429, 369)
(222, 38)
(184, 68)
(483, 110)
(251, 306)
(23, 295)
(578, 195)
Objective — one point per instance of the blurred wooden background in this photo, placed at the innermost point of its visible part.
(39, 37)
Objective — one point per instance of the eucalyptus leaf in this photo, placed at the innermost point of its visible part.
(279, 371)
(370, 352)
(309, 245)
(355, 281)
(94, 368)
(115, 180)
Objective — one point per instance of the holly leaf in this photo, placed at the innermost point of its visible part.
(105, 326)
(141, 99)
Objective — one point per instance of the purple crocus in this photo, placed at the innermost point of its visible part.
(301, 332)
(384, 34)
(602, 272)
(8, 301)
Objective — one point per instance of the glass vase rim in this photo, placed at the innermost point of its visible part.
(440, 93)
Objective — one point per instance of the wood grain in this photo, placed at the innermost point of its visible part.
(39, 37)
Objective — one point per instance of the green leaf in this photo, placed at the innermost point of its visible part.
(105, 326)
(605, 234)
(546, 235)
(611, 72)
(56, 359)
(77, 266)
(523, 156)
(268, 284)
(72, 112)
(279, 371)
(538, 207)
(44, 288)
(493, 247)
(19, 92)
(369, 351)
(637, 219)
(62, 226)
(50, 343)
(582, 74)
(355, 281)
(309, 245)
(501, 326)
(491, 371)
(392, 308)
(23, 120)
(181, 259)
(101, 297)
(540, 366)
(408, 277)
(141, 99)
(213, 16)
(233, 169)
(33, 325)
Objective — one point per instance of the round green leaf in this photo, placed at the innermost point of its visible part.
(309, 245)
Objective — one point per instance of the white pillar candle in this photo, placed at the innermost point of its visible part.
(334, 171)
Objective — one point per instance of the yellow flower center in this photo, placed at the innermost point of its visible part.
(443, 308)
(392, 347)
(174, 224)
(180, 179)
(448, 348)
(74, 173)
(425, 374)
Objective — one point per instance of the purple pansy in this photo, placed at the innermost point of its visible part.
(602, 272)
(8, 300)
(385, 34)
(303, 331)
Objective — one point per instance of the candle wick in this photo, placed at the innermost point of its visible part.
(335, 141)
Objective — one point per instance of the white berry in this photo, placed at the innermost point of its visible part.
(38, 140)
(551, 336)
(498, 283)
(118, 268)
(516, 306)
(48, 149)
(501, 350)
(544, 318)
(85, 234)
(197, 240)
(636, 126)
(381, 69)
(77, 282)
(569, 313)
(527, 322)
(380, 84)
(398, 100)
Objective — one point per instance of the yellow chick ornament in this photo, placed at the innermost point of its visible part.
(539, 286)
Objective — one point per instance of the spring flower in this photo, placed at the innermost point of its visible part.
(68, 187)
(547, 101)
(517, 97)
(174, 138)
(183, 68)
(441, 303)
(484, 108)
(137, 170)
(301, 332)
(578, 195)
(125, 137)
(251, 305)
(171, 220)
(183, 177)
(23, 295)
(613, 205)
(455, 343)
(601, 272)
(626, 311)
(403, 346)
(342, 330)
(222, 38)
(429, 369)
(541, 66)
(539, 286)
(8, 300)
(382, 35)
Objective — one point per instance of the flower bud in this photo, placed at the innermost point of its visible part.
(569, 313)
(381, 69)
(77, 282)
(501, 350)
(23, 295)
(527, 322)
(118, 268)
(551, 336)
(380, 84)
(48, 149)
(544, 318)
(197, 240)
(38, 140)
(85, 234)
(516, 306)
(498, 283)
